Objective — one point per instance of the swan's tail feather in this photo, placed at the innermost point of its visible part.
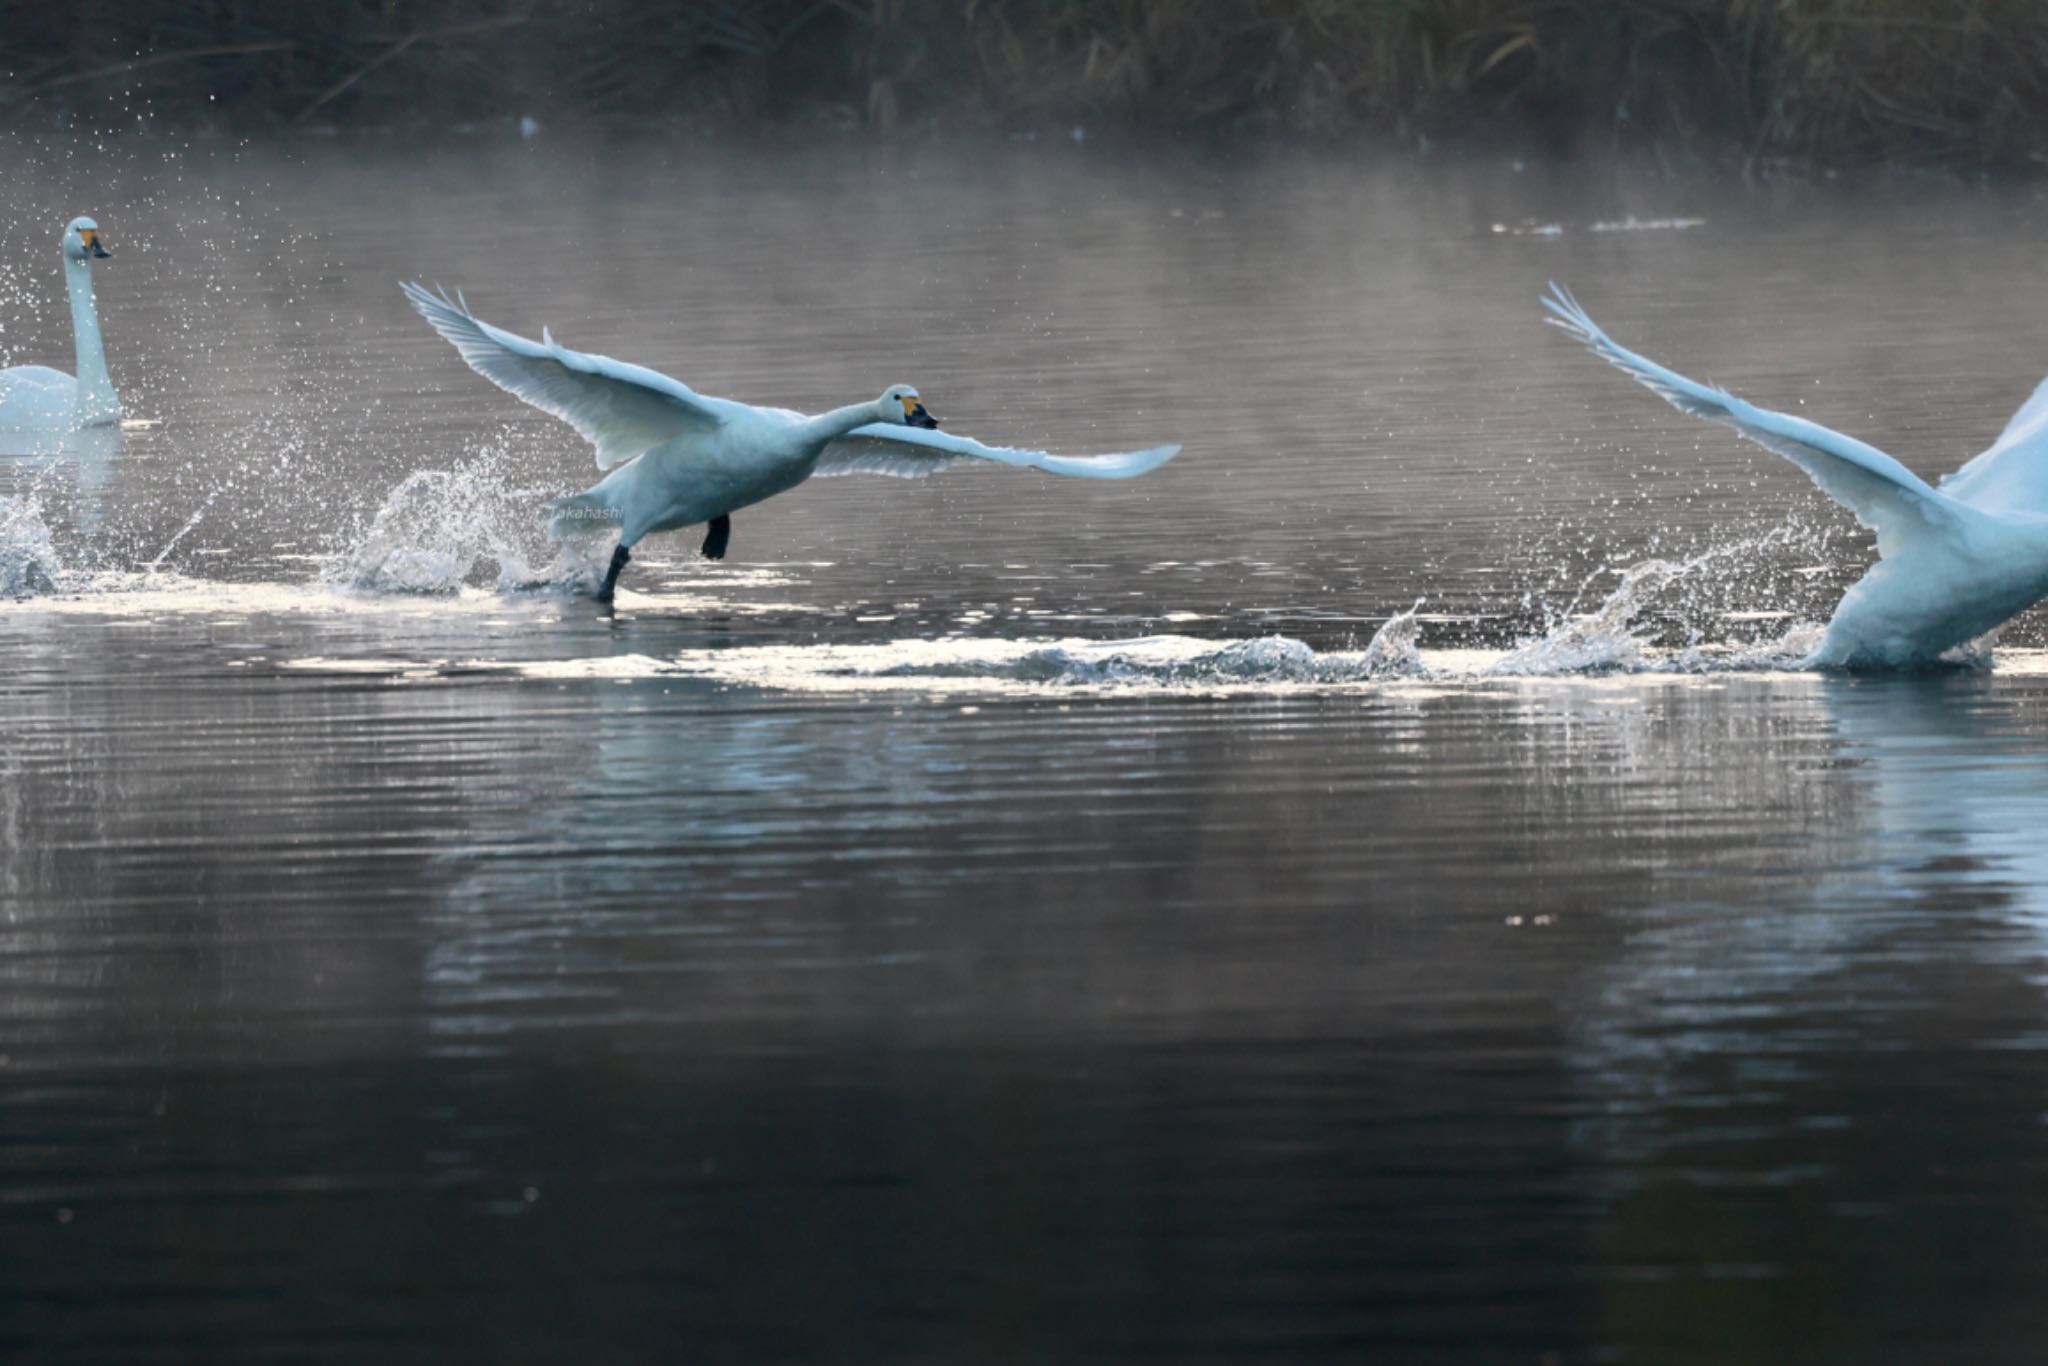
(582, 514)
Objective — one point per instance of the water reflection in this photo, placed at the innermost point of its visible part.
(1961, 789)
(1819, 1064)
(72, 469)
(1155, 1013)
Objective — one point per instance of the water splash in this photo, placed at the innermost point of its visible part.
(1611, 637)
(1789, 651)
(28, 558)
(194, 520)
(1168, 661)
(1974, 654)
(1150, 664)
(440, 530)
(1394, 650)
(1604, 638)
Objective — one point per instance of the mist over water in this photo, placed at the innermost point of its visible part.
(1380, 885)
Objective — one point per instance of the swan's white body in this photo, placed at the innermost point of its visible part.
(35, 397)
(678, 458)
(1955, 562)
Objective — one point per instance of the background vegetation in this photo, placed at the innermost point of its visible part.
(1962, 83)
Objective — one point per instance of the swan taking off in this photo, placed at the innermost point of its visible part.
(1954, 562)
(678, 457)
(35, 396)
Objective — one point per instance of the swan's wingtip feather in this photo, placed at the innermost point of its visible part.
(1131, 464)
(1568, 313)
(1555, 295)
(434, 308)
(1563, 302)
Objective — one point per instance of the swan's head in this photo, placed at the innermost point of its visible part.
(900, 403)
(82, 241)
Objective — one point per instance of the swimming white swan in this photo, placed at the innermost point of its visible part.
(35, 396)
(678, 457)
(1954, 562)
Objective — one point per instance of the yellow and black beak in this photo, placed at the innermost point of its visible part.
(915, 415)
(91, 238)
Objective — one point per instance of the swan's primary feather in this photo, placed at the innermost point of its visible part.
(1885, 496)
(621, 409)
(914, 452)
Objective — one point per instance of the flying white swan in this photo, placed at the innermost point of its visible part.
(1954, 562)
(35, 396)
(678, 457)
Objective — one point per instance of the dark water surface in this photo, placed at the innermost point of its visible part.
(841, 953)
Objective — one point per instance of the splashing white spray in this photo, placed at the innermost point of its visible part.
(1394, 650)
(439, 530)
(28, 559)
(1608, 638)
(1604, 638)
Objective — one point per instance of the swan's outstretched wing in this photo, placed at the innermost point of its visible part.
(621, 409)
(2011, 475)
(1885, 496)
(914, 452)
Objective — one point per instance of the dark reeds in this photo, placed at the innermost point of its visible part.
(1962, 83)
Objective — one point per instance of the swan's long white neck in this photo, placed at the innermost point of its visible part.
(96, 401)
(828, 427)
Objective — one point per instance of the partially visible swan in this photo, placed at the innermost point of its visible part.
(35, 396)
(1954, 562)
(679, 457)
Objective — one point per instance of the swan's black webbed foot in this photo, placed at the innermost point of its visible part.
(611, 576)
(716, 537)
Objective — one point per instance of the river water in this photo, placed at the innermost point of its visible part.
(1001, 918)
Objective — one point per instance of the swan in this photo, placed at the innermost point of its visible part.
(678, 457)
(35, 396)
(1954, 561)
